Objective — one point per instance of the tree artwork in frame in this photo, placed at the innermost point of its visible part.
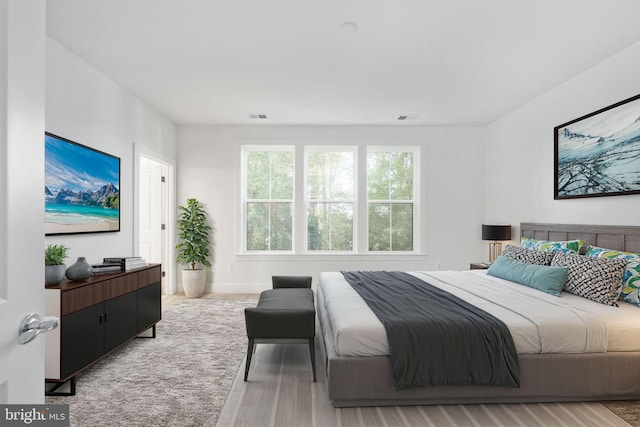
(599, 154)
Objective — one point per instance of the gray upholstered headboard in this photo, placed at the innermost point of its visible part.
(619, 237)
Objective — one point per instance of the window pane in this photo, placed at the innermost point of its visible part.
(258, 175)
(281, 222)
(330, 227)
(329, 175)
(282, 175)
(257, 226)
(317, 186)
(377, 180)
(402, 227)
(390, 227)
(317, 227)
(379, 227)
(341, 227)
(269, 226)
(401, 176)
(342, 176)
(390, 176)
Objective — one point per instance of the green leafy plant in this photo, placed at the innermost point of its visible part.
(55, 254)
(194, 233)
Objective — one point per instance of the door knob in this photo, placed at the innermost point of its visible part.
(32, 325)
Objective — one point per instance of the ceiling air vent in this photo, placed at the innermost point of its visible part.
(257, 116)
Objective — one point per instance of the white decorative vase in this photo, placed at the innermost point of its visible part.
(193, 282)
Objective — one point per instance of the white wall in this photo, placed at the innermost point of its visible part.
(209, 170)
(85, 106)
(519, 169)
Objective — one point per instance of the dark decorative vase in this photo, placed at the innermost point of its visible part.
(79, 271)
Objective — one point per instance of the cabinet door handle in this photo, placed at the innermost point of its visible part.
(100, 319)
(105, 317)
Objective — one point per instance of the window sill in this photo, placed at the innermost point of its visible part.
(330, 257)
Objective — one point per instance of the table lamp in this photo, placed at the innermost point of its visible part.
(495, 234)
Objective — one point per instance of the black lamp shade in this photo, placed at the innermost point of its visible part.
(496, 232)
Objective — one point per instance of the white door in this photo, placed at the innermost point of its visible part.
(155, 220)
(21, 196)
(150, 210)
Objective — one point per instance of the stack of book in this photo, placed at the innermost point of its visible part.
(126, 263)
(106, 268)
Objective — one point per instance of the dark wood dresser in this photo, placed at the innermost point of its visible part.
(97, 316)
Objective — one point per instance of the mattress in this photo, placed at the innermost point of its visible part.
(538, 322)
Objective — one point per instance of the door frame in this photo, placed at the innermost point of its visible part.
(168, 217)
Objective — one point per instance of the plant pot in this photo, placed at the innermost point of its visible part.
(193, 282)
(53, 274)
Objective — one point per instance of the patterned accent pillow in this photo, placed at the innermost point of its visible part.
(631, 277)
(570, 246)
(597, 279)
(530, 256)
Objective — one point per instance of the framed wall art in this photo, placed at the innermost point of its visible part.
(599, 154)
(82, 188)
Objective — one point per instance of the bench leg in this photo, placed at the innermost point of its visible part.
(249, 354)
(312, 352)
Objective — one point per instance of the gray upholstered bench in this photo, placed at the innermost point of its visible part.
(285, 315)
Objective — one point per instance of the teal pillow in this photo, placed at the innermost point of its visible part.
(544, 278)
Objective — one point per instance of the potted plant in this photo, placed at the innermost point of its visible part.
(54, 267)
(194, 247)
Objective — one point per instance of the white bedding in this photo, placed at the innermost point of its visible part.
(538, 322)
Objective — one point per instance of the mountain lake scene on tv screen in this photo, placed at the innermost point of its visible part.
(81, 189)
(600, 155)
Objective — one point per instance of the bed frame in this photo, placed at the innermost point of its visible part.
(368, 381)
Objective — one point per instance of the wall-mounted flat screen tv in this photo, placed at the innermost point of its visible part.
(82, 188)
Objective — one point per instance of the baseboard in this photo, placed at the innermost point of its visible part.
(236, 288)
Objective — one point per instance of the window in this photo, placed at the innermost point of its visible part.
(268, 198)
(329, 197)
(323, 199)
(390, 198)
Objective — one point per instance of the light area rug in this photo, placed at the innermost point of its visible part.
(280, 392)
(180, 378)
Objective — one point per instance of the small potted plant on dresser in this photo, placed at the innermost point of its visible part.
(194, 247)
(54, 267)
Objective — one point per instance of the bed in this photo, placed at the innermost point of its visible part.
(360, 376)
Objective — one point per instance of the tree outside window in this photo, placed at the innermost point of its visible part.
(390, 199)
(329, 199)
(269, 183)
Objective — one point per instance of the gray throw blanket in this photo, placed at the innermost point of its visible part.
(435, 338)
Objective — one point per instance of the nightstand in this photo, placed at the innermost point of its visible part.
(478, 266)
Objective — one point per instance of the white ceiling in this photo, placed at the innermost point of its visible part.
(451, 62)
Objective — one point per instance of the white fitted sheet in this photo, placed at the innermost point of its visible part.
(538, 322)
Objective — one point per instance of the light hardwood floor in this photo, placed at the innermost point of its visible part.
(280, 392)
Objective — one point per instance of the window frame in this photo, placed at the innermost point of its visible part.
(245, 150)
(415, 149)
(354, 200)
(299, 222)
